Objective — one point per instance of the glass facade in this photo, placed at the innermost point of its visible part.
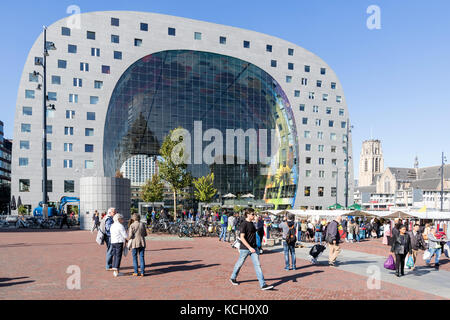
(175, 88)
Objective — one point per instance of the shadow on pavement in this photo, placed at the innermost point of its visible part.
(180, 268)
(165, 263)
(9, 284)
(281, 280)
(166, 249)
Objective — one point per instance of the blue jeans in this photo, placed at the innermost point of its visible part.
(289, 251)
(135, 252)
(357, 236)
(243, 254)
(223, 233)
(299, 236)
(438, 252)
(109, 252)
(318, 235)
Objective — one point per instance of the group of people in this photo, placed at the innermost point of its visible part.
(118, 240)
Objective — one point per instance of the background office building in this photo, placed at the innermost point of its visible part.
(123, 80)
(5, 171)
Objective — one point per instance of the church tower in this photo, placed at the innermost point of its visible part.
(371, 162)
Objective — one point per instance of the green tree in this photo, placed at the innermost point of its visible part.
(22, 210)
(173, 168)
(153, 190)
(204, 188)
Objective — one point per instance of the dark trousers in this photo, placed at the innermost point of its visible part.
(117, 249)
(400, 263)
(64, 222)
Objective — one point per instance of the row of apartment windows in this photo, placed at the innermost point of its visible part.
(67, 163)
(77, 82)
(320, 191)
(333, 136)
(24, 185)
(52, 96)
(68, 131)
(70, 114)
(318, 123)
(91, 35)
(321, 174)
(312, 95)
(328, 110)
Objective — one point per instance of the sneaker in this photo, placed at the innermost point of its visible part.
(266, 287)
(287, 268)
(294, 268)
(331, 264)
(117, 274)
(135, 274)
(234, 282)
(142, 274)
(436, 265)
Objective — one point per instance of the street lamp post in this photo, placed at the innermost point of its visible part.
(43, 63)
(442, 181)
(346, 161)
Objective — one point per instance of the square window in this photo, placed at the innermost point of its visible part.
(84, 66)
(343, 124)
(319, 83)
(106, 69)
(290, 51)
(290, 66)
(49, 146)
(246, 44)
(24, 185)
(307, 68)
(115, 38)
(62, 64)
(197, 36)
(333, 136)
(98, 84)
(95, 52)
(308, 173)
(69, 186)
(305, 120)
(328, 110)
(304, 81)
(320, 148)
(115, 22)
(320, 135)
(68, 131)
(24, 145)
(273, 63)
(49, 162)
(70, 114)
(23, 162)
(322, 70)
(89, 164)
(269, 48)
(118, 55)
(296, 93)
(307, 134)
(308, 147)
(72, 48)
(49, 185)
(65, 31)
(50, 114)
(89, 132)
(77, 82)
(318, 122)
(333, 85)
(311, 95)
(90, 35)
(308, 160)
(302, 107)
(73, 98)
(316, 109)
(49, 129)
(325, 97)
(29, 94)
(307, 191)
(222, 40)
(330, 123)
(51, 96)
(144, 26)
(338, 99)
(90, 116)
(333, 149)
(56, 80)
(171, 31)
(67, 163)
(137, 42)
(68, 147)
(320, 190)
(341, 112)
(288, 79)
(93, 100)
(33, 77)
(88, 148)
(27, 111)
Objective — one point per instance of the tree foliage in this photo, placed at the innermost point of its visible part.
(153, 190)
(204, 188)
(173, 168)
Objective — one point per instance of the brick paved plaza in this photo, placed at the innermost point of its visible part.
(34, 266)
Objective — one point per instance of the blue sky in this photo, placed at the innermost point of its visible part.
(395, 79)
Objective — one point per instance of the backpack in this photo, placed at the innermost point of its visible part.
(291, 238)
(318, 227)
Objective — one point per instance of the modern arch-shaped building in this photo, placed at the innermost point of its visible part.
(122, 80)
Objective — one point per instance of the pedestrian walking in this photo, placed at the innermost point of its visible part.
(64, 221)
(318, 232)
(357, 231)
(96, 219)
(417, 242)
(333, 238)
(136, 235)
(119, 238)
(304, 229)
(223, 225)
(105, 227)
(289, 239)
(434, 247)
(231, 227)
(401, 246)
(248, 248)
(259, 233)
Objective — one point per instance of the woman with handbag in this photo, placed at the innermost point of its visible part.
(118, 241)
(401, 246)
(136, 234)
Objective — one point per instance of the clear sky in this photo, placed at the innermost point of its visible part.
(396, 79)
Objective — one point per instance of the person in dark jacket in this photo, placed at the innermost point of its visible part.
(64, 221)
(417, 242)
(401, 246)
(333, 237)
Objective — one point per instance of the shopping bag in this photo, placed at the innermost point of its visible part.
(447, 250)
(100, 237)
(125, 251)
(410, 262)
(389, 263)
(236, 244)
(426, 255)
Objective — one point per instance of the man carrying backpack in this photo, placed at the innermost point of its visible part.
(318, 232)
(289, 240)
(224, 225)
(333, 237)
